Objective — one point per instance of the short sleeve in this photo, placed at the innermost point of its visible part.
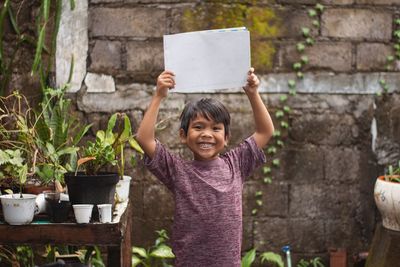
(248, 156)
(162, 165)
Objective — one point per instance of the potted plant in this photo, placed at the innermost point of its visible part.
(387, 197)
(95, 184)
(17, 208)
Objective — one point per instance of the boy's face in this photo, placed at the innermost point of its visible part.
(205, 138)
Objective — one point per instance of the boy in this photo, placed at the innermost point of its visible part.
(207, 230)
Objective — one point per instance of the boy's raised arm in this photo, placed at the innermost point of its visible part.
(262, 119)
(146, 132)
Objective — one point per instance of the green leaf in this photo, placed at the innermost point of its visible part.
(304, 59)
(80, 134)
(162, 251)
(300, 75)
(23, 173)
(292, 84)
(267, 180)
(319, 7)
(297, 66)
(249, 258)
(72, 4)
(280, 143)
(136, 261)
(283, 98)
(258, 194)
(279, 114)
(272, 258)
(271, 150)
(284, 124)
(276, 133)
(286, 109)
(312, 12)
(259, 202)
(254, 212)
(276, 162)
(310, 41)
(266, 170)
(315, 23)
(140, 251)
(135, 145)
(300, 47)
(39, 48)
(305, 31)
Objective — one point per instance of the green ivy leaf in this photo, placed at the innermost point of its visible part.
(271, 150)
(254, 212)
(300, 75)
(310, 41)
(266, 170)
(292, 92)
(276, 133)
(319, 7)
(284, 124)
(283, 98)
(280, 143)
(300, 47)
(267, 180)
(390, 58)
(258, 194)
(297, 66)
(304, 59)
(292, 84)
(305, 31)
(276, 162)
(312, 12)
(315, 23)
(286, 109)
(279, 114)
(259, 202)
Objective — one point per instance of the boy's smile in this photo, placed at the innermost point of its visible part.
(205, 138)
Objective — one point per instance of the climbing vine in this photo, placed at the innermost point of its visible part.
(391, 59)
(282, 114)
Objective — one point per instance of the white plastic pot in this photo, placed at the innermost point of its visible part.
(83, 212)
(122, 188)
(17, 210)
(387, 199)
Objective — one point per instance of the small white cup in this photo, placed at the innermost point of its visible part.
(83, 212)
(105, 213)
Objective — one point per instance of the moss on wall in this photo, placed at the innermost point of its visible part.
(262, 22)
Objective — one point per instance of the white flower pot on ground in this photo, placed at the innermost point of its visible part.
(387, 199)
(122, 188)
(17, 210)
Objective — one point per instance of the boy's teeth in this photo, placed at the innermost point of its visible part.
(205, 145)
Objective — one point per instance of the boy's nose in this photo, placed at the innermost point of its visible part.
(206, 133)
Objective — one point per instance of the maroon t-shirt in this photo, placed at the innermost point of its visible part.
(207, 229)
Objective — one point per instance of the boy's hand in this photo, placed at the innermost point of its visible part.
(165, 81)
(252, 82)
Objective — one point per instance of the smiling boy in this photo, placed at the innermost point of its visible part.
(207, 229)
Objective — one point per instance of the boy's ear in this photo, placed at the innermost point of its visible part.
(226, 140)
(182, 136)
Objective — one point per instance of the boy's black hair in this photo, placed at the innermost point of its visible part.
(209, 108)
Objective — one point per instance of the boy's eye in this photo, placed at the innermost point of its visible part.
(197, 126)
(217, 129)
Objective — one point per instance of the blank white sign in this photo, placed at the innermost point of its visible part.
(205, 61)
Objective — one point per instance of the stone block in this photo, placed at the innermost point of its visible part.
(342, 165)
(337, 2)
(372, 56)
(271, 234)
(357, 24)
(135, 97)
(303, 165)
(127, 22)
(323, 201)
(327, 129)
(395, 124)
(105, 1)
(380, 2)
(307, 235)
(158, 202)
(341, 233)
(247, 238)
(327, 56)
(275, 199)
(99, 83)
(145, 56)
(105, 56)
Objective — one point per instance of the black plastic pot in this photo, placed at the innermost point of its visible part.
(58, 210)
(91, 189)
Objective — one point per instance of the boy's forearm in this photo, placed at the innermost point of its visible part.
(263, 122)
(146, 132)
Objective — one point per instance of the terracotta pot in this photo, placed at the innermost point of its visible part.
(387, 199)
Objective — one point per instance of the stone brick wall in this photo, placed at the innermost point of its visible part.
(341, 134)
